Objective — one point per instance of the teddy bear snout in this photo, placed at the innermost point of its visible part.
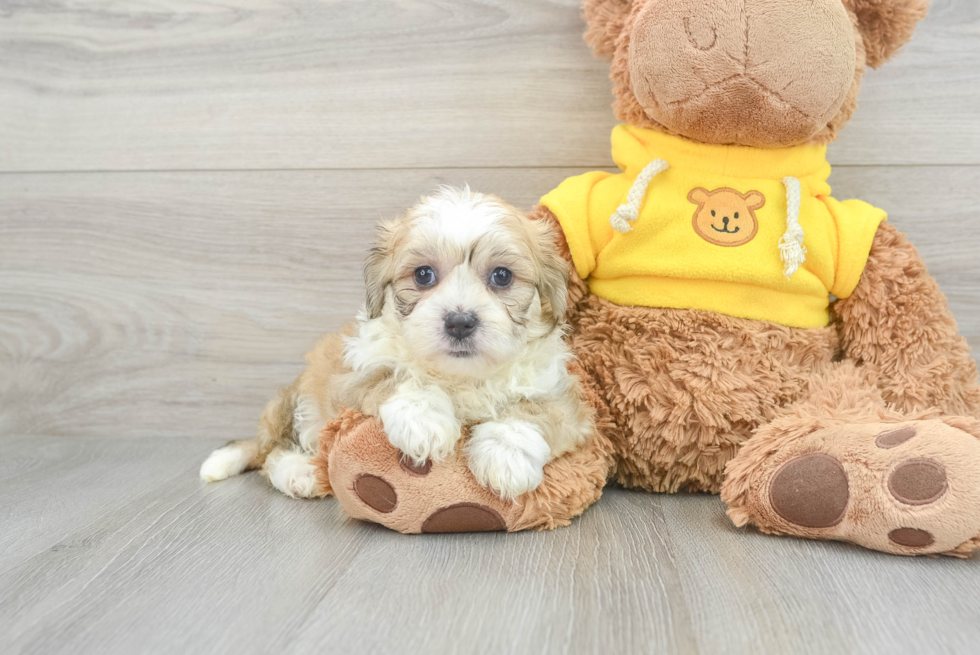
(775, 77)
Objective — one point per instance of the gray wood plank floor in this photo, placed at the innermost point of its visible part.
(113, 546)
(187, 188)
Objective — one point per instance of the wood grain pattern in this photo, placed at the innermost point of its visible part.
(246, 84)
(181, 566)
(187, 188)
(175, 304)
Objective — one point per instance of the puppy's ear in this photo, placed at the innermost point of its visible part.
(379, 269)
(886, 25)
(553, 272)
(606, 20)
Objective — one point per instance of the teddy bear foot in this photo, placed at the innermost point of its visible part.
(384, 487)
(373, 482)
(907, 488)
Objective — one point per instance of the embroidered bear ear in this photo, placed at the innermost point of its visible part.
(698, 196)
(754, 200)
(606, 20)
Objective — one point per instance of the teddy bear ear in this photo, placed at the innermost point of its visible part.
(698, 196)
(754, 200)
(605, 19)
(886, 25)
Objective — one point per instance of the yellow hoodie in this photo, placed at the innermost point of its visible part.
(747, 232)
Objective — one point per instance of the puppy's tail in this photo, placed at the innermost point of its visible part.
(275, 429)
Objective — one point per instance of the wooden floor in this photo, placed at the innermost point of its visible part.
(187, 188)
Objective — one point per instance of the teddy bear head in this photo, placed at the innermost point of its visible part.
(761, 73)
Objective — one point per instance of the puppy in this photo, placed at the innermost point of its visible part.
(463, 325)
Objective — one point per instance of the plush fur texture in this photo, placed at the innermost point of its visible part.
(886, 25)
(898, 324)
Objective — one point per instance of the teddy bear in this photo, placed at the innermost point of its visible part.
(740, 331)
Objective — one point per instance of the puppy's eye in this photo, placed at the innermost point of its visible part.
(425, 276)
(501, 277)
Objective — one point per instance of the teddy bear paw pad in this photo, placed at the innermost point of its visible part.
(917, 482)
(810, 490)
(464, 517)
(376, 493)
(911, 537)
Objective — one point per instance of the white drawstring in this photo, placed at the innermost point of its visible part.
(630, 210)
(791, 249)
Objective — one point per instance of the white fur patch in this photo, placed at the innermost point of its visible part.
(293, 474)
(224, 463)
(508, 456)
(307, 423)
(421, 423)
(458, 215)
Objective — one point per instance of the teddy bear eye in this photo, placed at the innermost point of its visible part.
(712, 212)
(736, 214)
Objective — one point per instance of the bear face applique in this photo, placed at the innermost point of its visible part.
(725, 217)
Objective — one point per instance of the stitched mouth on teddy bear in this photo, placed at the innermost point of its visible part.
(725, 230)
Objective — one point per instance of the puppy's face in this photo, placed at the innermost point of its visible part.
(468, 280)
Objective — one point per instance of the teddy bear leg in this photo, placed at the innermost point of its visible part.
(844, 466)
(897, 324)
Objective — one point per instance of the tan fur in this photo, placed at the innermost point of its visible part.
(605, 20)
(686, 388)
(897, 323)
(886, 25)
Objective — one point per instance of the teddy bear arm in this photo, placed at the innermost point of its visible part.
(897, 323)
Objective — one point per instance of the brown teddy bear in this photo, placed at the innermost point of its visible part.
(701, 302)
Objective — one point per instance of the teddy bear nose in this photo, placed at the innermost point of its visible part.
(725, 221)
(460, 325)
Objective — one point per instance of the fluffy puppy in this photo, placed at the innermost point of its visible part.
(463, 325)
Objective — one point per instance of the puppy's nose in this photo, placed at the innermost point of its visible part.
(460, 325)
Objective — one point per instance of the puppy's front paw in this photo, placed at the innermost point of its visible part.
(293, 474)
(508, 457)
(421, 424)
